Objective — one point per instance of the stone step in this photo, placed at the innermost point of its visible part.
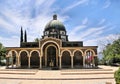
(22, 72)
(56, 78)
(85, 73)
(77, 70)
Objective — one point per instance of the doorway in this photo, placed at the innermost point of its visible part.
(51, 56)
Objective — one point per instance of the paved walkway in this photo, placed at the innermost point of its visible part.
(68, 76)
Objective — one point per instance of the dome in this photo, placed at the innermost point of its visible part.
(55, 24)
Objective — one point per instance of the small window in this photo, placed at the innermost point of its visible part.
(53, 30)
(63, 39)
(47, 32)
(62, 32)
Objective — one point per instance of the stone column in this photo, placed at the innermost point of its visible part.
(93, 61)
(60, 62)
(83, 60)
(45, 61)
(40, 62)
(71, 61)
(19, 63)
(12, 61)
(7, 61)
(28, 61)
(16, 61)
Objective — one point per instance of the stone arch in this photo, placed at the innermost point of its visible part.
(24, 55)
(33, 51)
(13, 51)
(47, 43)
(79, 51)
(66, 50)
(89, 57)
(44, 52)
(66, 59)
(78, 58)
(13, 56)
(24, 51)
(90, 50)
(34, 59)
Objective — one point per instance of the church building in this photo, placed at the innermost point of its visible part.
(53, 50)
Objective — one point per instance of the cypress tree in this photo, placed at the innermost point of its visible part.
(21, 37)
(25, 37)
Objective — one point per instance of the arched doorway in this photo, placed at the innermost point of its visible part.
(51, 56)
(89, 59)
(66, 59)
(14, 57)
(34, 59)
(78, 59)
(24, 59)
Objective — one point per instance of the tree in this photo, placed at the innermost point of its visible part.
(36, 40)
(117, 76)
(21, 36)
(25, 36)
(112, 53)
(96, 61)
(2, 53)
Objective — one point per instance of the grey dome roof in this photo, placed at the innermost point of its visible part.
(55, 24)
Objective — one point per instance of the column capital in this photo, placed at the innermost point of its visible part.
(7, 56)
(84, 54)
(71, 55)
(29, 56)
(60, 56)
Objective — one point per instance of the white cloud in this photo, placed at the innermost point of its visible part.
(102, 21)
(75, 5)
(85, 21)
(10, 41)
(101, 41)
(77, 33)
(39, 2)
(90, 35)
(107, 4)
(91, 42)
(77, 29)
(91, 31)
(15, 20)
(20, 14)
(5, 25)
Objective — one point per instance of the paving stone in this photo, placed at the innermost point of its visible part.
(69, 76)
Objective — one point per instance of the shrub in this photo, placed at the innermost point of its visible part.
(117, 76)
(96, 61)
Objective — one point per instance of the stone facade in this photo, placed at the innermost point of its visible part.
(53, 51)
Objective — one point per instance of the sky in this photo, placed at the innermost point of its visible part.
(90, 21)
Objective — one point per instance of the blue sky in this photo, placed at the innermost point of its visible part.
(91, 21)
